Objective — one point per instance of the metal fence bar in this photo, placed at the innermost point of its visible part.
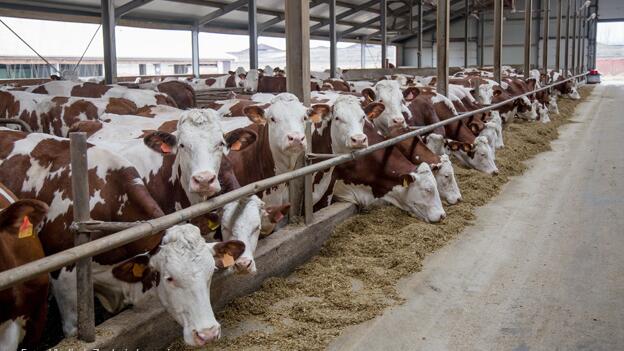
(53, 262)
(80, 198)
(308, 185)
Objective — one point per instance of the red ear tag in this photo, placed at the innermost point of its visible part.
(166, 149)
(25, 229)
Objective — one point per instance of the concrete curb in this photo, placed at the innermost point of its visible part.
(148, 327)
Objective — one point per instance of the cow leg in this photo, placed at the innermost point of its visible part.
(64, 290)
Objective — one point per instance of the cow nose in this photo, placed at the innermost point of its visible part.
(495, 172)
(207, 335)
(359, 141)
(204, 178)
(398, 120)
(296, 138)
(245, 265)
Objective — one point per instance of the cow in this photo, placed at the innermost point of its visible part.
(386, 176)
(24, 306)
(389, 93)
(55, 114)
(567, 89)
(182, 93)
(234, 79)
(38, 166)
(417, 152)
(140, 97)
(473, 151)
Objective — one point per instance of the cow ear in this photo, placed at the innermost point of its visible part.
(433, 81)
(255, 114)
(496, 92)
(411, 93)
(240, 139)
(161, 142)
(318, 112)
(374, 110)
(369, 95)
(260, 70)
(407, 179)
(277, 213)
(137, 270)
(454, 146)
(22, 216)
(226, 252)
(467, 147)
(231, 73)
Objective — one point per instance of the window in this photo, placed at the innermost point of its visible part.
(142, 69)
(181, 69)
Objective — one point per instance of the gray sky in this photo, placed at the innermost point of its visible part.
(611, 33)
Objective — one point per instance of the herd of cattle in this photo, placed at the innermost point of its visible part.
(152, 152)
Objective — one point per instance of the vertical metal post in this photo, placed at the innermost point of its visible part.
(574, 20)
(420, 32)
(80, 198)
(482, 36)
(195, 50)
(578, 40)
(546, 14)
(253, 34)
(498, 38)
(558, 37)
(363, 53)
(332, 38)
(528, 14)
(308, 187)
(466, 16)
(298, 79)
(584, 35)
(566, 61)
(411, 16)
(383, 8)
(442, 42)
(108, 36)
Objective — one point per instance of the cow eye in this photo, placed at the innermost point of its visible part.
(337, 119)
(169, 279)
(273, 119)
(182, 145)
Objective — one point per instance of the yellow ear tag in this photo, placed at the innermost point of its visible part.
(227, 260)
(315, 118)
(405, 183)
(213, 225)
(236, 146)
(138, 269)
(25, 229)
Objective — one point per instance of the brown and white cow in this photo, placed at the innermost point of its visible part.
(176, 266)
(234, 79)
(140, 97)
(24, 306)
(473, 151)
(55, 114)
(389, 93)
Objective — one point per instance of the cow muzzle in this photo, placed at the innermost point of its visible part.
(358, 141)
(296, 141)
(245, 265)
(205, 183)
(205, 336)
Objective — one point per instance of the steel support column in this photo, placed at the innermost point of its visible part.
(195, 50)
(108, 36)
(574, 20)
(583, 36)
(528, 22)
(466, 16)
(566, 61)
(363, 53)
(420, 32)
(253, 34)
(498, 39)
(558, 37)
(482, 37)
(578, 39)
(332, 38)
(442, 42)
(383, 9)
(546, 14)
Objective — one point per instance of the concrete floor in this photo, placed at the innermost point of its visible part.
(542, 268)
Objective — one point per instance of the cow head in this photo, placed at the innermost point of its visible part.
(486, 93)
(389, 93)
(181, 270)
(348, 118)
(552, 104)
(250, 84)
(199, 146)
(478, 155)
(446, 182)
(525, 109)
(418, 195)
(272, 216)
(436, 143)
(242, 220)
(240, 77)
(285, 119)
(490, 133)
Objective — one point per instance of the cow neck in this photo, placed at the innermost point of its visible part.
(180, 183)
(265, 158)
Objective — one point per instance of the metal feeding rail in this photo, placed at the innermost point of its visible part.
(129, 232)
